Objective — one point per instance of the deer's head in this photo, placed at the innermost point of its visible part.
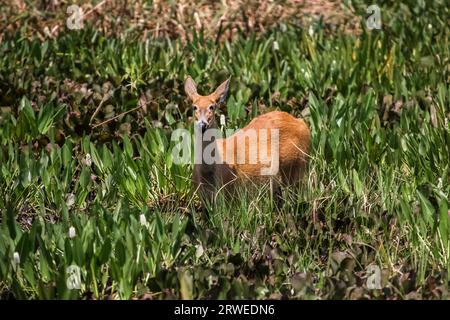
(204, 106)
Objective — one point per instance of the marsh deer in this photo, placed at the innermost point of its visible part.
(273, 146)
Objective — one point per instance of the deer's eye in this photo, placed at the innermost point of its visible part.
(211, 107)
(195, 108)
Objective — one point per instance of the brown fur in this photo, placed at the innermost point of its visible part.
(294, 142)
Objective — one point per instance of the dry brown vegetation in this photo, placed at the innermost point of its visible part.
(176, 19)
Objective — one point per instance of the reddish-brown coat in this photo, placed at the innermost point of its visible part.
(294, 142)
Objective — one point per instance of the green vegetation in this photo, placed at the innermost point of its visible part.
(85, 127)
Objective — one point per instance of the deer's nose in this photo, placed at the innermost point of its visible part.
(203, 126)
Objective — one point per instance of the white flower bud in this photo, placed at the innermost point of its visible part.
(16, 258)
(143, 220)
(276, 46)
(222, 120)
(88, 160)
(72, 232)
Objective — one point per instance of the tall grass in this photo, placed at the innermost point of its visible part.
(74, 153)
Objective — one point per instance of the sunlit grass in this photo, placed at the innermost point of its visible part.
(376, 192)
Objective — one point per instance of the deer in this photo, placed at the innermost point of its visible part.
(279, 140)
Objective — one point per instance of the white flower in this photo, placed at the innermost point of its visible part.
(143, 220)
(334, 61)
(222, 120)
(16, 258)
(430, 26)
(276, 47)
(88, 160)
(311, 31)
(72, 232)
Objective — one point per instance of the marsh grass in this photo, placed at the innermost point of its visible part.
(376, 192)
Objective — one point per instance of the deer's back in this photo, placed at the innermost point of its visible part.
(293, 145)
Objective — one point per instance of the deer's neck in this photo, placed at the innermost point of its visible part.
(210, 169)
(206, 152)
(204, 168)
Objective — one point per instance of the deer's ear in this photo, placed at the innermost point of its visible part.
(190, 88)
(221, 92)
